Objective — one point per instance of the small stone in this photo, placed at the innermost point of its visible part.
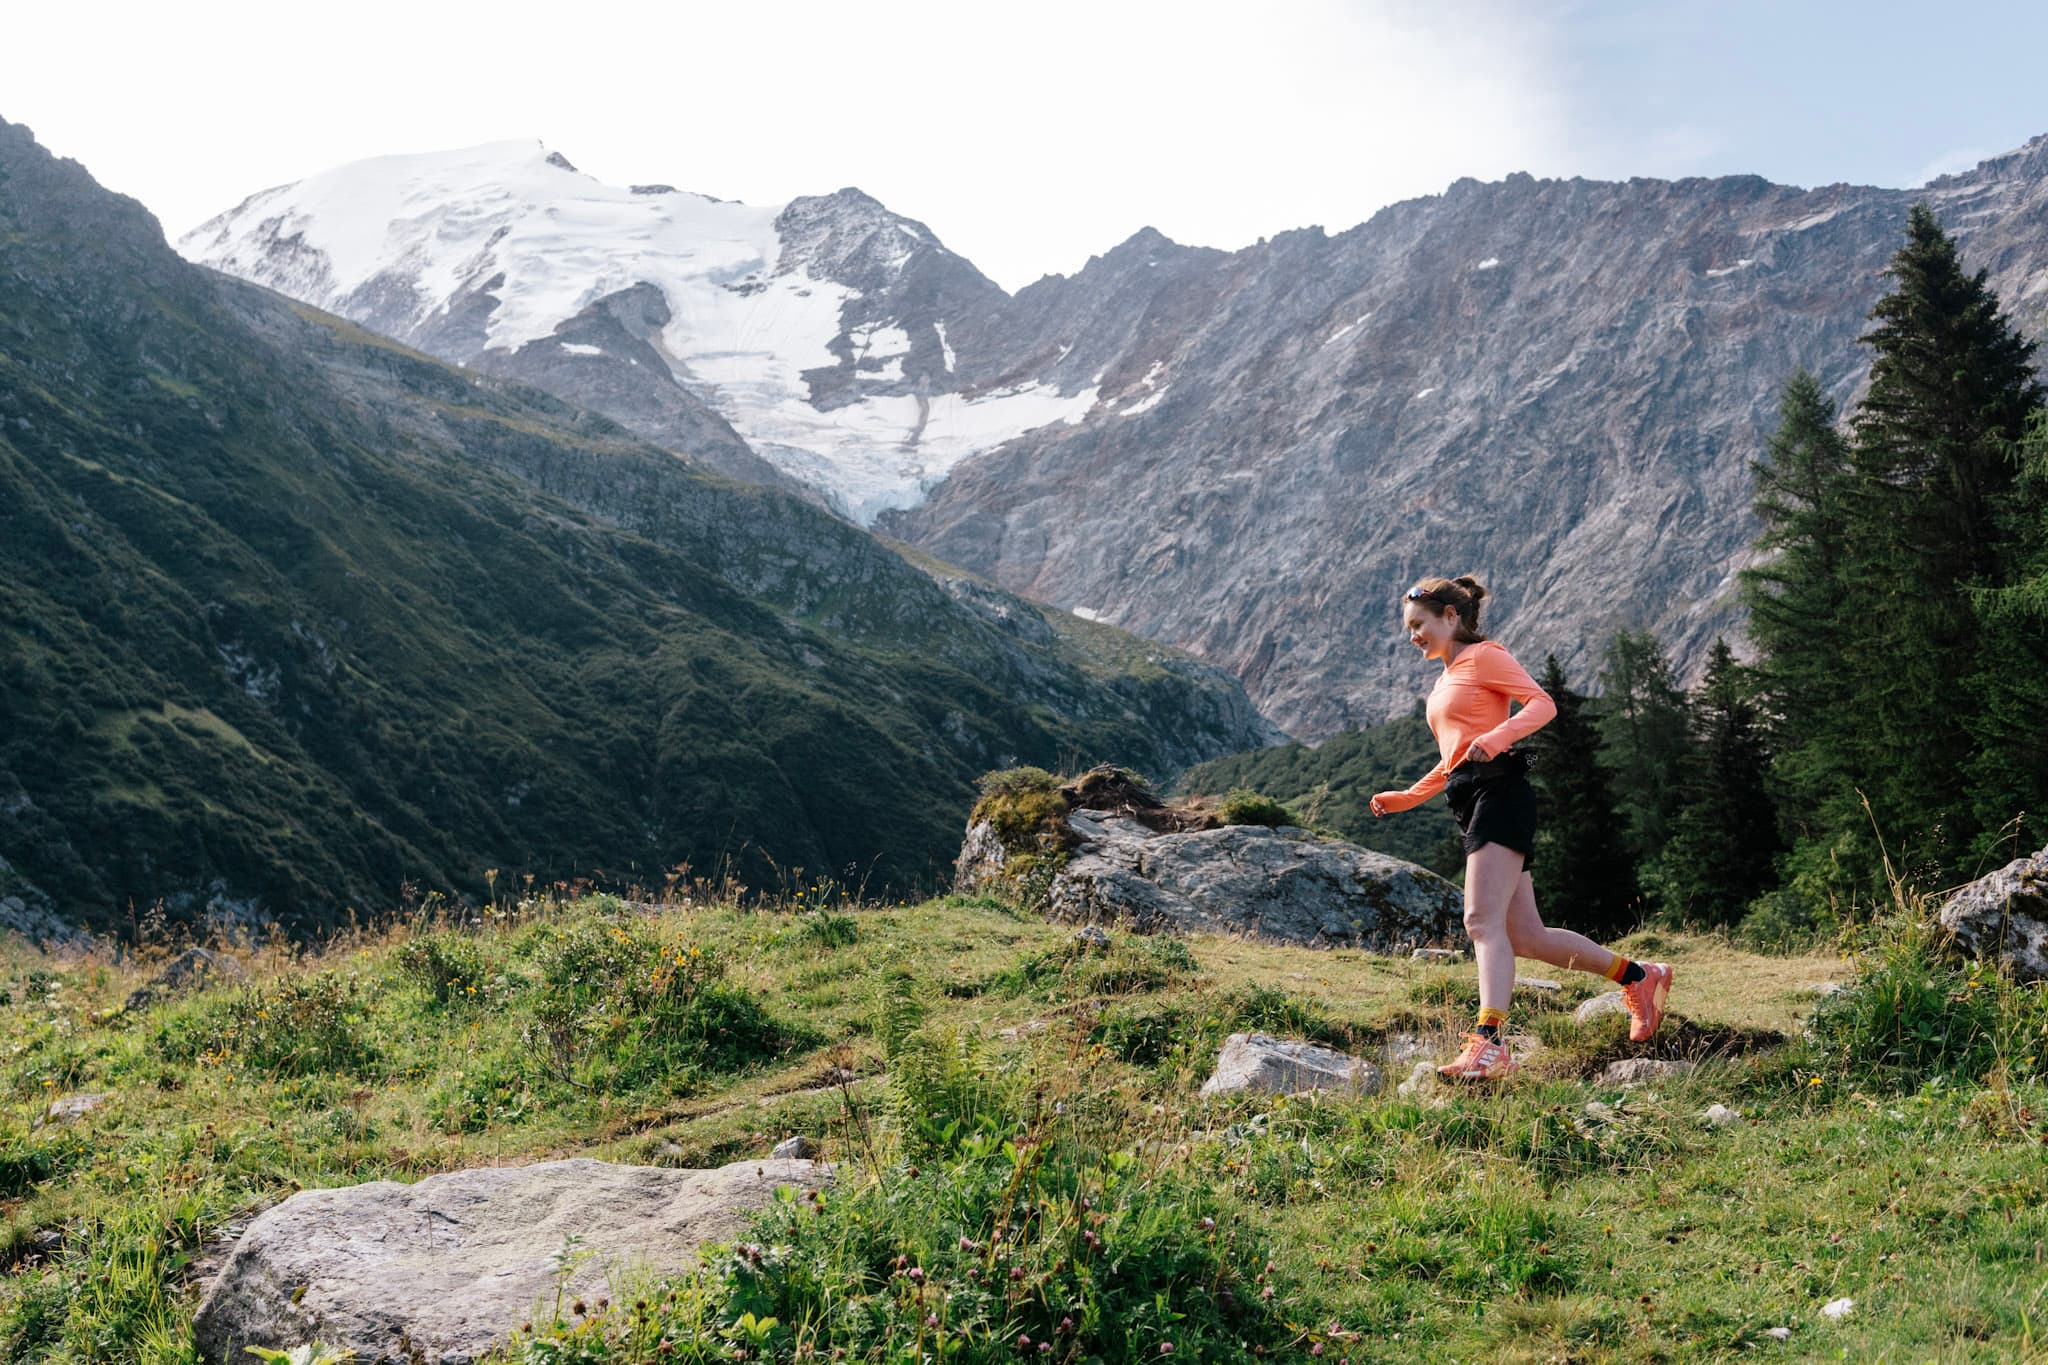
(1538, 983)
(1718, 1116)
(839, 1075)
(1599, 1006)
(1820, 988)
(1423, 1080)
(1643, 1071)
(1259, 1061)
(1092, 936)
(1403, 1048)
(798, 1148)
(69, 1108)
(1778, 1333)
(1839, 1309)
(1436, 955)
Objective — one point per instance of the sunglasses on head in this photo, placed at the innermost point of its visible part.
(1421, 595)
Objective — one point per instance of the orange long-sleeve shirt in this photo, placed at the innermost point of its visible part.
(1468, 705)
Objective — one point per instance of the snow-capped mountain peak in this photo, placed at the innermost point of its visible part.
(818, 328)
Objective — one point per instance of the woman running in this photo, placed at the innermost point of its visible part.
(1486, 782)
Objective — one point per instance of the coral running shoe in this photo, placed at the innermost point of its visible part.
(1645, 1000)
(1482, 1060)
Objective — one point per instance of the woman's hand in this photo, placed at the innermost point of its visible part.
(1386, 803)
(1477, 752)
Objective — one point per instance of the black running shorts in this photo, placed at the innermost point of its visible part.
(1495, 804)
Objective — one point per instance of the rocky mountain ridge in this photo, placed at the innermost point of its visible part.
(1557, 384)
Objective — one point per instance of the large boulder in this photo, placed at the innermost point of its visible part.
(2004, 916)
(1284, 884)
(442, 1270)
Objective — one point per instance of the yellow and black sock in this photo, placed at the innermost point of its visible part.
(1489, 1024)
(1623, 972)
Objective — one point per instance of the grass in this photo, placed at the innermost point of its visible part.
(996, 1055)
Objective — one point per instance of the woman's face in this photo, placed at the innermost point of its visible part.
(1427, 631)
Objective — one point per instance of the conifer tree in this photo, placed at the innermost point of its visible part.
(1726, 834)
(2008, 768)
(1951, 390)
(1642, 725)
(1811, 658)
(1583, 870)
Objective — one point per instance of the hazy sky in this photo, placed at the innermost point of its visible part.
(1032, 136)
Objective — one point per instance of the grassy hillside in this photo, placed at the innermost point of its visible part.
(1894, 1157)
(1331, 785)
(293, 619)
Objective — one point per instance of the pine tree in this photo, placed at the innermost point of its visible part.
(1951, 390)
(1642, 724)
(1811, 661)
(1584, 876)
(1726, 834)
(2008, 768)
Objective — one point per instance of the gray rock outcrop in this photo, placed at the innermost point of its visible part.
(1277, 1066)
(2003, 916)
(1283, 885)
(452, 1265)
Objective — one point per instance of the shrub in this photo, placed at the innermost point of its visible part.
(292, 1026)
(618, 1007)
(1264, 1009)
(1143, 1038)
(1133, 963)
(982, 1256)
(1243, 806)
(449, 966)
(1025, 807)
(1913, 1012)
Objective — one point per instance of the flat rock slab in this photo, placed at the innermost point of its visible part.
(2004, 917)
(453, 1264)
(1275, 1066)
(67, 1108)
(1280, 885)
(1643, 1070)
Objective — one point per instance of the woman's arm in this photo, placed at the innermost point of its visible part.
(1432, 782)
(1497, 669)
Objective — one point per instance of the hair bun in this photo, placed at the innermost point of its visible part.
(1471, 585)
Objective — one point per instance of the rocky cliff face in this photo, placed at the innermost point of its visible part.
(1558, 385)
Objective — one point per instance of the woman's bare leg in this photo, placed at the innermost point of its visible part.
(1530, 937)
(1492, 874)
